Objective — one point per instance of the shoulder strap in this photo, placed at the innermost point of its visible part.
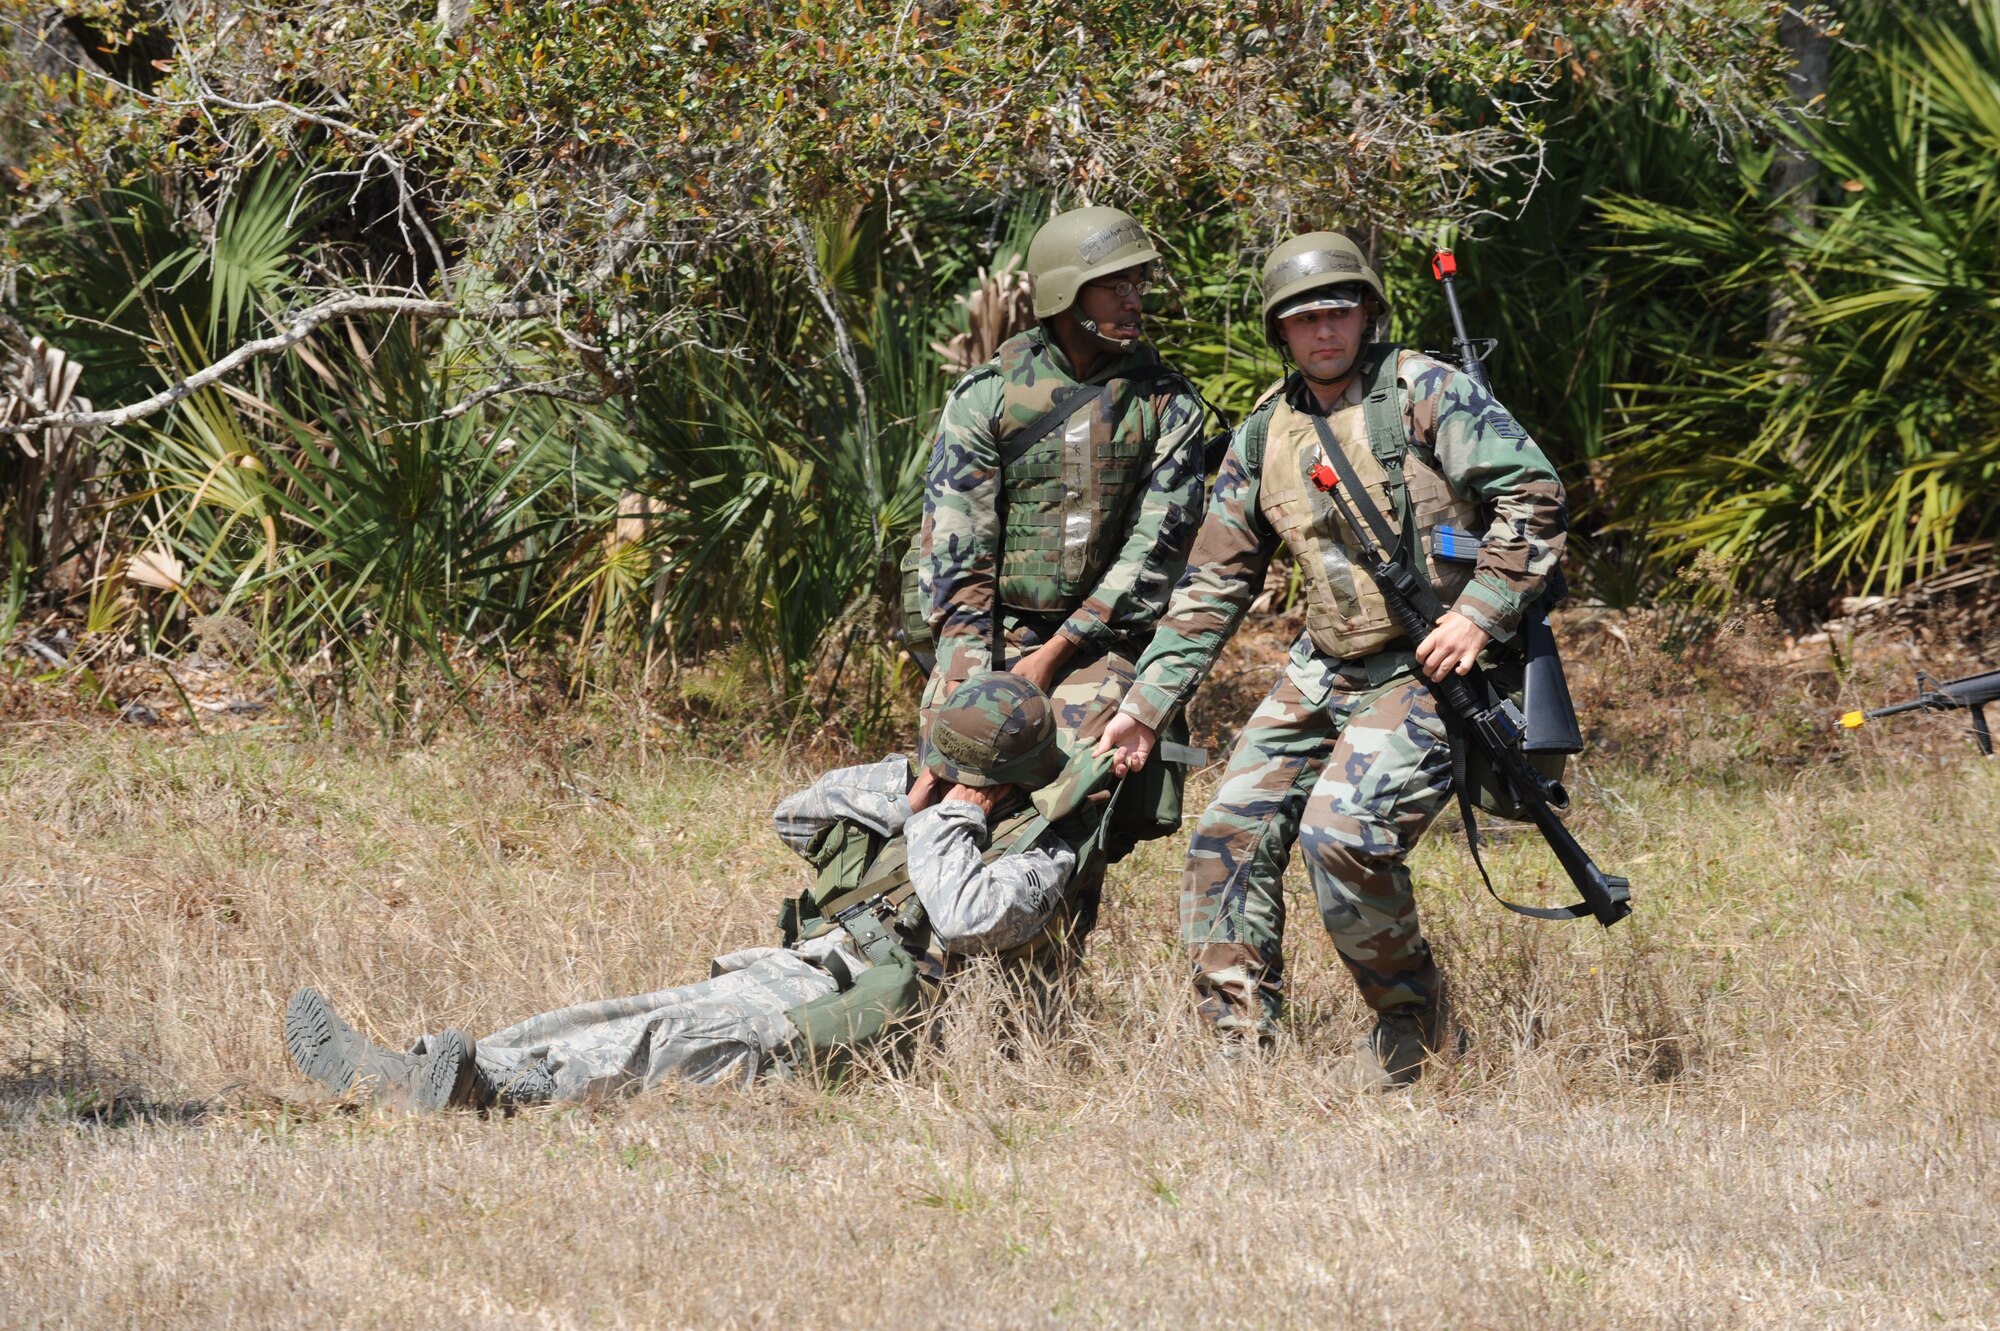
(1257, 432)
(1389, 440)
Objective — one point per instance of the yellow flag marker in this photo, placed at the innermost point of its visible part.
(1853, 720)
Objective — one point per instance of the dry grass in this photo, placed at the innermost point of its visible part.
(1767, 1100)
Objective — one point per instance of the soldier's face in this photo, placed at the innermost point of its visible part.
(1117, 316)
(1324, 342)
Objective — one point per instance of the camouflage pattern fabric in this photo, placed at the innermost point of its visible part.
(1354, 775)
(961, 515)
(875, 795)
(723, 1030)
(1482, 453)
(1345, 757)
(975, 908)
(995, 729)
(1085, 696)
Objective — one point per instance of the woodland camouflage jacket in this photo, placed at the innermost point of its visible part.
(961, 513)
(1484, 455)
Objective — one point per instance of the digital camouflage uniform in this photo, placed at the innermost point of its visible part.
(1346, 755)
(1099, 517)
(970, 893)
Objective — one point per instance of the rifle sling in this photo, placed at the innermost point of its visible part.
(1433, 609)
(1459, 776)
(1393, 548)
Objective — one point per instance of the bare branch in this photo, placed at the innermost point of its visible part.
(511, 387)
(301, 327)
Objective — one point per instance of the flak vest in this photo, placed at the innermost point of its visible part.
(1346, 614)
(864, 887)
(1065, 501)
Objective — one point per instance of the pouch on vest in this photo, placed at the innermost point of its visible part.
(918, 640)
(841, 853)
(879, 1002)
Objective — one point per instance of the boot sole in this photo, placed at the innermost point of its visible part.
(318, 1041)
(446, 1078)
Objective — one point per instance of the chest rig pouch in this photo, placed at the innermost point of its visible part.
(1071, 457)
(1428, 521)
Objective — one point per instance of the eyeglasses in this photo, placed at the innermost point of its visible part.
(1124, 289)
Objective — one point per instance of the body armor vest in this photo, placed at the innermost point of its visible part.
(1345, 613)
(1065, 501)
(859, 868)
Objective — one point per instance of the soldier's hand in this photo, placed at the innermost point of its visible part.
(1452, 647)
(1132, 740)
(925, 790)
(1041, 666)
(986, 798)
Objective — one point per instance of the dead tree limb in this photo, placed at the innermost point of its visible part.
(297, 331)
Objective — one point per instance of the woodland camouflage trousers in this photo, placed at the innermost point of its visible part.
(1085, 696)
(1355, 782)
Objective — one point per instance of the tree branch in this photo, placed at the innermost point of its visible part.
(301, 327)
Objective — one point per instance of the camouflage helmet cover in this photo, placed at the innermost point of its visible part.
(1311, 263)
(995, 729)
(1081, 246)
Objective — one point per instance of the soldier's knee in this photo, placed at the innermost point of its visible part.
(1345, 838)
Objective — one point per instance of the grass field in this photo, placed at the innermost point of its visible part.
(1766, 1100)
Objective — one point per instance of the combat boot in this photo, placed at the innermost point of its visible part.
(346, 1062)
(1393, 1055)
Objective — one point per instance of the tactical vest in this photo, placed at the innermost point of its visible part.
(864, 888)
(859, 869)
(1346, 614)
(1065, 501)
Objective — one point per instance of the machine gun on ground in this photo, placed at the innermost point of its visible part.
(1971, 693)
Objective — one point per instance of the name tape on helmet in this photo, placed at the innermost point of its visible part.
(1101, 245)
(960, 749)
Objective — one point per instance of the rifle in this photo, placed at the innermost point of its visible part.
(1473, 708)
(1472, 352)
(1496, 727)
(1971, 693)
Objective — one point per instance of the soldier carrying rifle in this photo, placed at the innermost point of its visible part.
(1349, 754)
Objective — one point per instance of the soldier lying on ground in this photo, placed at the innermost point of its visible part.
(914, 876)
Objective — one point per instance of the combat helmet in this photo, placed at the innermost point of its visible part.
(995, 729)
(1299, 273)
(1081, 246)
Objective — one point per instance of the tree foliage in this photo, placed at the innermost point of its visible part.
(609, 324)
